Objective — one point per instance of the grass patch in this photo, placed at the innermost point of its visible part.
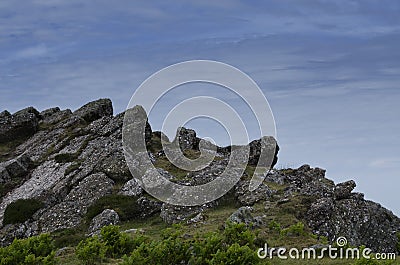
(68, 237)
(7, 149)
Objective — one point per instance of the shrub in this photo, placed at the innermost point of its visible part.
(33, 250)
(235, 255)
(21, 210)
(117, 243)
(398, 242)
(273, 225)
(126, 207)
(238, 233)
(232, 246)
(294, 230)
(203, 248)
(91, 250)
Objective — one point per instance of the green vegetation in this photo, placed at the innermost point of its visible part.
(110, 244)
(398, 241)
(65, 158)
(294, 230)
(213, 248)
(91, 250)
(126, 207)
(34, 250)
(21, 210)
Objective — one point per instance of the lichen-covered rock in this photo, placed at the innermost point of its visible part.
(172, 214)
(131, 188)
(243, 215)
(343, 190)
(187, 139)
(19, 231)
(270, 148)
(247, 197)
(106, 217)
(49, 112)
(95, 110)
(21, 124)
(70, 211)
(15, 168)
(361, 222)
(148, 206)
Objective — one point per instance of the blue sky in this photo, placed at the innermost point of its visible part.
(330, 69)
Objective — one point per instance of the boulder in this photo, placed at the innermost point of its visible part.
(243, 215)
(106, 217)
(21, 124)
(95, 110)
(131, 188)
(15, 168)
(271, 149)
(343, 190)
(148, 206)
(187, 139)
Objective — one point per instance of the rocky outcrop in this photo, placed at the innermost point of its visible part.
(69, 160)
(95, 110)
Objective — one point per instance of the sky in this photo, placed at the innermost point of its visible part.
(329, 69)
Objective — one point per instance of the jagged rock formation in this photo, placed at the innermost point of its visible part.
(68, 160)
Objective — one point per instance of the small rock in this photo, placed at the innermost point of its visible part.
(107, 217)
(243, 215)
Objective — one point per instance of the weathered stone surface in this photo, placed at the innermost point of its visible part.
(12, 231)
(361, 222)
(245, 197)
(343, 190)
(172, 214)
(49, 112)
(187, 139)
(304, 180)
(17, 167)
(106, 217)
(271, 149)
(70, 211)
(149, 206)
(43, 179)
(21, 124)
(95, 110)
(4, 176)
(131, 188)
